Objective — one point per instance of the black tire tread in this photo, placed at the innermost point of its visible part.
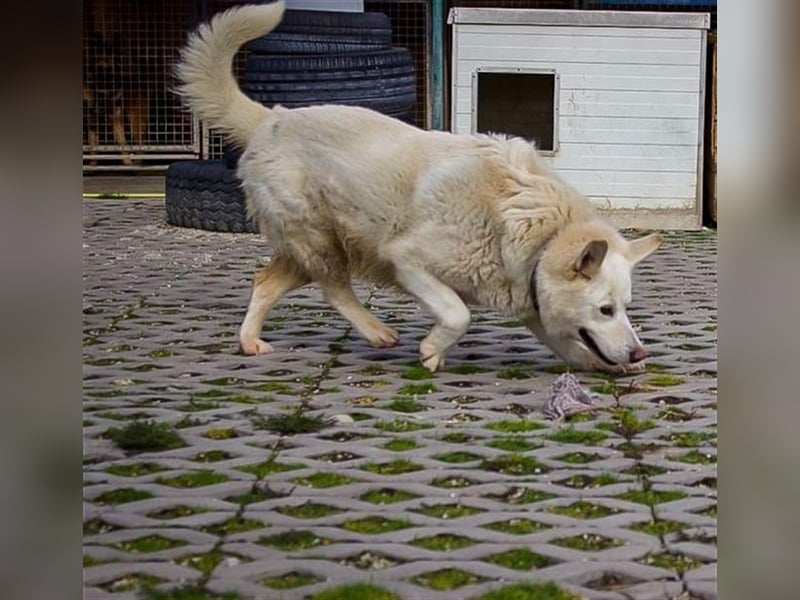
(206, 194)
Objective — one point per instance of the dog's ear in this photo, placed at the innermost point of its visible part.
(588, 263)
(643, 247)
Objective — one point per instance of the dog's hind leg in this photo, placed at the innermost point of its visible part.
(281, 276)
(451, 314)
(343, 299)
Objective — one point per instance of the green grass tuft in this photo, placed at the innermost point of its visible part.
(145, 436)
(355, 591)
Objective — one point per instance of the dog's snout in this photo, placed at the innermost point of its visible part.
(637, 354)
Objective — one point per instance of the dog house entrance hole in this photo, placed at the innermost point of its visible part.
(518, 103)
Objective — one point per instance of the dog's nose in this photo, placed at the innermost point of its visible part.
(638, 354)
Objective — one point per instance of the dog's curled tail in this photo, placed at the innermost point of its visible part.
(205, 70)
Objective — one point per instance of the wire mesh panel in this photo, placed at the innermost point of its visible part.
(410, 25)
(130, 117)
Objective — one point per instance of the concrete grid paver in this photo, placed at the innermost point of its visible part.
(616, 505)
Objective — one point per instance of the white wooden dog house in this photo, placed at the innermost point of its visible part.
(614, 100)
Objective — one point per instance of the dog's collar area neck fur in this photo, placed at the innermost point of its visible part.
(534, 293)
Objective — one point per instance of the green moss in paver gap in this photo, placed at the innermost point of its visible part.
(309, 510)
(387, 496)
(447, 579)
(401, 444)
(689, 439)
(288, 581)
(651, 497)
(210, 456)
(659, 527)
(234, 525)
(355, 591)
(675, 414)
(515, 426)
(521, 495)
(514, 464)
(175, 512)
(207, 562)
(570, 435)
(448, 511)
(626, 423)
(458, 457)
(587, 542)
(198, 406)
(443, 542)
(291, 423)
(578, 458)
(324, 480)
(147, 544)
(122, 496)
(116, 416)
(514, 444)
(144, 436)
(520, 559)
(711, 511)
(459, 437)
(396, 467)
(674, 562)
(194, 479)
(293, 540)
(636, 450)
(695, 457)
(416, 372)
(268, 467)
(336, 457)
(665, 380)
(401, 426)
(360, 416)
(452, 481)
(529, 591)
(258, 493)
(92, 561)
(416, 389)
(374, 525)
(517, 526)
(97, 526)
(220, 434)
(583, 481)
(277, 387)
(466, 369)
(139, 469)
(515, 371)
(644, 470)
(213, 393)
(161, 353)
(131, 582)
(583, 510)
(373, 370)
(370, 561)
(189, 592)
(406, 404)
(188, 421)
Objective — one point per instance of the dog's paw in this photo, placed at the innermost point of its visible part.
(383, 337)
(254, 347)
(433, 362)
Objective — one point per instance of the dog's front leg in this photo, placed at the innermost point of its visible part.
(451, 314)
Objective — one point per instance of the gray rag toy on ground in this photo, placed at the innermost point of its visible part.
(566, 398)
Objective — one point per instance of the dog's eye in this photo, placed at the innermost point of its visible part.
(607, 310)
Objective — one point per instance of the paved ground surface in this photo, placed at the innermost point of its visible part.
(329, 462)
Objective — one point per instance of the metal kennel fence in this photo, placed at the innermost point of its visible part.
(131, 120)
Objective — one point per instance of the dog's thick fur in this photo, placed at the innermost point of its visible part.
(345, 192)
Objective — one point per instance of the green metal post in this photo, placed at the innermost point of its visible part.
(437, 64)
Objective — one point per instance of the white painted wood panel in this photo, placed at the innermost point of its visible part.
(561, 31)
(629, 104)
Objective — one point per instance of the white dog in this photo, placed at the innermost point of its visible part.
(344, 192)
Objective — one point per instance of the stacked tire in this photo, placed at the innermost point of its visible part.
(311, 58)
